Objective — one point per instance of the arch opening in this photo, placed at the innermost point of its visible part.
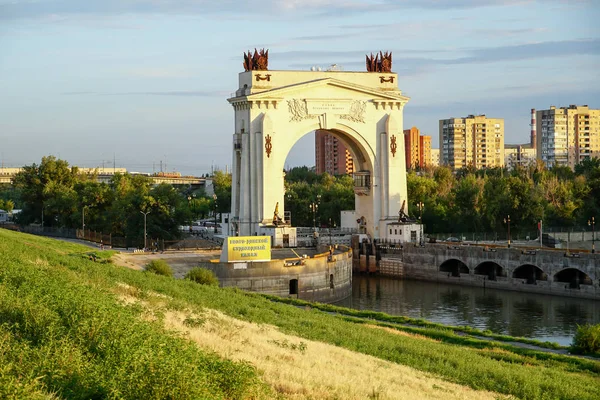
(530, 274)
(294, 286)
(338, 152)
(490, 269)
(454, 267)
(573, 277)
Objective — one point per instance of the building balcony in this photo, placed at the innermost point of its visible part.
(362, 182)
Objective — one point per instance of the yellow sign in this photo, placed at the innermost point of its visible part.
(248, 248)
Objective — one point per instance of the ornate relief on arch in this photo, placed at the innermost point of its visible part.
(355, 111)
(393, 145)
(268, 145)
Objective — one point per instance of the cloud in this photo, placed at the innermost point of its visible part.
(15, 9)
(509, 32)
(518, 52)
(160, 72)
(183, 93)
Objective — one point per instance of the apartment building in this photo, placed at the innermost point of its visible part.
(475, 141)
(435, 157)
(417, 149)
(519, 155)
(567, 135)
(331, 155)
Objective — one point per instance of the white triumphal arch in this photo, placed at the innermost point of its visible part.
(274, 109)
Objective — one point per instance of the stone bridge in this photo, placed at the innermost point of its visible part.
(530, 270)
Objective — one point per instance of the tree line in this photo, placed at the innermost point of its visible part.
(480, 200)
(54, 194)
(466, 201)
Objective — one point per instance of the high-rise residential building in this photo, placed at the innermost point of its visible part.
(518, 155)
(331, 155)
(435, 157)
(417, 149)
(567, 135)
(424, 151)
(475, 141)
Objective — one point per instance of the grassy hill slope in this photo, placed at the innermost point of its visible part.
(71, 327)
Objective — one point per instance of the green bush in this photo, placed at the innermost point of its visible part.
(587, 339)
(159, 267)
(202, 276)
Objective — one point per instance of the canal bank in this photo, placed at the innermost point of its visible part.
(517, 269)
(530, 315)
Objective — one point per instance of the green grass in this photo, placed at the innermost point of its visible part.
(587, 340)
(382, 317)
(202, 276)
(159, 267)
(64, 301)
(63, 332)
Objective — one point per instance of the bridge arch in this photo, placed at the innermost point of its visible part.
(454, 267)
(490, 269)
(574, 277)
(530, 274)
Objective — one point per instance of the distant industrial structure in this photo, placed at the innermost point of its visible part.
(106, 174)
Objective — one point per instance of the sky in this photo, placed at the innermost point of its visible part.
(140, 82)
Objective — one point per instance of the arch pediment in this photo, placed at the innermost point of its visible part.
(327, 88)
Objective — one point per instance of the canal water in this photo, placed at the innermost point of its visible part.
(536, 316)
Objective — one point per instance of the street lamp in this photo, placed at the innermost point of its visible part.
(592, 222)
(420, 206)
(145, 215)
(507, 221)
(83, 219)
(215, 211)
(334, 226)
(189, 199)
(314, 206)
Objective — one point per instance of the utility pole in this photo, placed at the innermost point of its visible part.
(507, 221)
(83, 219)
(145, 214)
(592, 222)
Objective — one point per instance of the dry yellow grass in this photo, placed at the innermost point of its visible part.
(401, 333)
(303, 369)
(297, 368)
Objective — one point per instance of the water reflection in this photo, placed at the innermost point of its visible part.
(535, 316)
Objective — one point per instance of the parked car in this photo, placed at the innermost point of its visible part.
(453, 239)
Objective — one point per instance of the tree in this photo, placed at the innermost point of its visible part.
(222, 187)
(47, 187)
(7, 205)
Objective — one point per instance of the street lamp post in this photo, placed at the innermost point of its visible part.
(420, 205)
(507, 221)
(334, 226)
(314, 206)
(592, 223)
(189, 199)
(83, 219)
(215, 212)
(145, 215)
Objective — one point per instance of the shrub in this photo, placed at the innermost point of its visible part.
(159, 267)
(587, 339)
(202, 276)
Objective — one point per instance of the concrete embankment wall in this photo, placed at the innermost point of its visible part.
(548, 272)
(319, 278)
